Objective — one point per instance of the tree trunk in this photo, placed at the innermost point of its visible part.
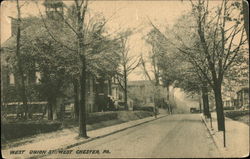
(19, 63)
(169, 103)
(246, 17)
(205, 100)
(219, 107)
(200, 100)
(76, 99)
(50, 108)
(200, 107)
(62, 111)
(58, 110)
(125, 90)
(81, 10)
(156, 99)
(82, 107)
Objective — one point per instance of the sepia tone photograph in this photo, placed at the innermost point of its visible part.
(124, 79)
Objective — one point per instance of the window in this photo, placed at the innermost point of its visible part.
(38, 77)
(11, 78)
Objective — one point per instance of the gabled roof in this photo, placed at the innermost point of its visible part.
(7, 49)
(9, 45)
(26, 23)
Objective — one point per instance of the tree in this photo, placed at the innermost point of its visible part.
(127, 64)
(220, 50)
(84, 37)
(216, 44)
(22, 88)
(192, 81)
(154, 83)
(214, 33)
(162, 59)
(184, 75)
(42, 54)
(246, 17)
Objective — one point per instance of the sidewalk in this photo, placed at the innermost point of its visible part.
(69, 139)
(237, 137)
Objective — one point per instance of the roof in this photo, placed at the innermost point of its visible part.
(139, 83)
(9, 42)
(9, 45)
(26, 23)
(6, 49)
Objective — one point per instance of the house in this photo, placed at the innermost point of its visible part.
(10, 98)
(117, 94)
(144, 93)
(97, 91)
(141, 92)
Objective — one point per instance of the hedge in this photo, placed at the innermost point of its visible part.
(145, 108)
(228, 108)
(143, 114)
(19, 129)
(101, 116)
(236, 113)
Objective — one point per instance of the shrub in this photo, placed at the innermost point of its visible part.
(228, 108)
(21, 129)
(101, 116)
(145, 108)
(236, 113)
(143, 114)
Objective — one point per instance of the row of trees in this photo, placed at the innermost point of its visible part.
(68, 46)
(159, 59)
(201, 48)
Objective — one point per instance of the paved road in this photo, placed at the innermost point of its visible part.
(175, 136)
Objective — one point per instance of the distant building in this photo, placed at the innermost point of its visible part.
(144, 93)
(141, 92)
(238, 98)
(243, 97)
(117, 91)
(117, 94)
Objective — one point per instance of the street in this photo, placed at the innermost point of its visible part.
(175, 136)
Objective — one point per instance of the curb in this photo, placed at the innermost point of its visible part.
(215, 139)
(97, 137)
